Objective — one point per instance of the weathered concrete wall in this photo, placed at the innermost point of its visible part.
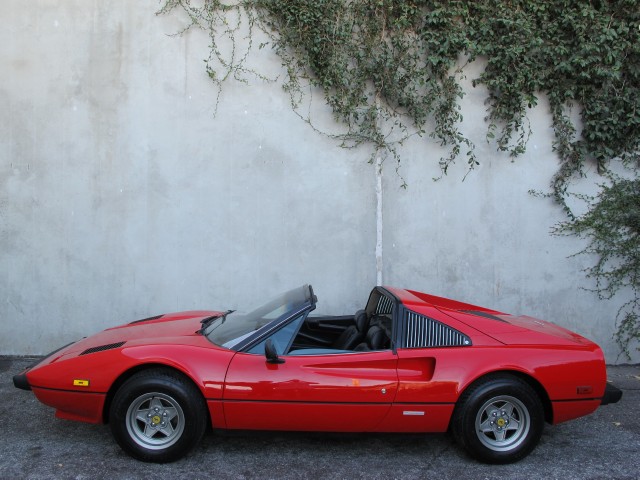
(487, 239)
(123, 196)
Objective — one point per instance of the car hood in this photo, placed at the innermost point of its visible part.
(503, 327)
(176, 328)
(522, 329)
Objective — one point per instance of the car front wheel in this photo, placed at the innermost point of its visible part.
(158, 416)
(498, 419)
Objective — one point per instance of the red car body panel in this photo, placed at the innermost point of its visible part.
(71, 405)
(320, 393)
(392, 390)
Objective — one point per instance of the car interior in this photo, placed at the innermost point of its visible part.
(367, 330)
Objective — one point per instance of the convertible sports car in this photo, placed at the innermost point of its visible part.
(408, 362)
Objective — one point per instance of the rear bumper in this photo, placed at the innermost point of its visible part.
(612, 394)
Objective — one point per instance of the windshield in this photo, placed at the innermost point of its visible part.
(229, 330)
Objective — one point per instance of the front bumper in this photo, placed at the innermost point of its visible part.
(20, 381)
(612, 394)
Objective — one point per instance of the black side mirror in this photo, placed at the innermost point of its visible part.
(271, 353)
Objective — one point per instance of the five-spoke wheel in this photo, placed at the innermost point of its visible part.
(502, 423)
(499, 419)
(158, 415)
(155, 420)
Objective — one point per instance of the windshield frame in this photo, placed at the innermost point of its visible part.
(298, 301)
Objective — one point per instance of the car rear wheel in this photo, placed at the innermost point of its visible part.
(158, 416)
(498, 419)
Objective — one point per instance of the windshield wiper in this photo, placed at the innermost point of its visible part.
(209, 320)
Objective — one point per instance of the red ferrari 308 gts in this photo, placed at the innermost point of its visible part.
(408, 362)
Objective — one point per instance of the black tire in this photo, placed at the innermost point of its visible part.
(158, 416)
(498, 419)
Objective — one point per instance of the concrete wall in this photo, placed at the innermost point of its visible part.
(123, 196)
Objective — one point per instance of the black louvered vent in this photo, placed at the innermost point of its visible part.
(146, 319)
(385, 306)
(102, 348)
(484, 314)
(423, 332)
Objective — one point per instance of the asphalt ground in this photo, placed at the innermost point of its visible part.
(36, 445)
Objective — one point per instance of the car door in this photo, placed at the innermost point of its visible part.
(430, 356)
(325, 392)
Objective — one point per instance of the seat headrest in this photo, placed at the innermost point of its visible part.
(362, 321)
(375, 338)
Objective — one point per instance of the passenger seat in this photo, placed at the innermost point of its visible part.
(353, 334)
(376, 339)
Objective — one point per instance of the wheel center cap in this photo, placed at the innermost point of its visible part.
(501, 422)
(156, 419)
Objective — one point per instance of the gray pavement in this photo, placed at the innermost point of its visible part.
(36, 445)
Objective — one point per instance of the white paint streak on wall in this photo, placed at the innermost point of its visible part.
(379, 220)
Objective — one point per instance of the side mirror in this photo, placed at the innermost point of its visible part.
(271, 353)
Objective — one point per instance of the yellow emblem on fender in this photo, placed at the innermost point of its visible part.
(81, 383)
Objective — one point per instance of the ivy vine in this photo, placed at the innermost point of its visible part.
(390, 70)
(612, 228)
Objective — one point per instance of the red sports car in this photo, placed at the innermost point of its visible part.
(408, 362)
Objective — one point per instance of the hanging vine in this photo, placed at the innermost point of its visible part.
(612, 227)
(389, 70)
